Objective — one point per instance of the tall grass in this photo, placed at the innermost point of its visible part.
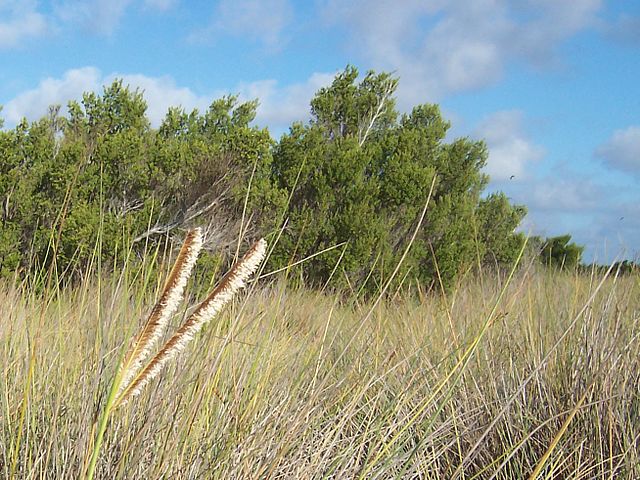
(290, 383)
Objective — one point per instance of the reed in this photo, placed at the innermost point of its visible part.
(132, 376)
(309, 384)
(163, 310)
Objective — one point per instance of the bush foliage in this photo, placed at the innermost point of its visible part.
(357, 175)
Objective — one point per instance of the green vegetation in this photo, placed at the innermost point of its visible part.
(356, 176)
(446, 367)
(103, 169)
(292, 383)
(361, 174)
(558, 252)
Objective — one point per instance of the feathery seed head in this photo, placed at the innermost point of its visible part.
(165, 308)
(233, 281)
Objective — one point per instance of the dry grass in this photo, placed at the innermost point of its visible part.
(132, 373)
(292, 384)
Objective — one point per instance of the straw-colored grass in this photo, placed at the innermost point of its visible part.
(131, 376)
(289, 383)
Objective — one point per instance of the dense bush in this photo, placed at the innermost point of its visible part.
(558, 252)
(360, 173)
(103, 177)
(357, 175)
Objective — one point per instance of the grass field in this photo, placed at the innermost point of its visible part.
(292, 383)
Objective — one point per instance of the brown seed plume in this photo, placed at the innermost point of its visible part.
(164, 309)
(233, 281)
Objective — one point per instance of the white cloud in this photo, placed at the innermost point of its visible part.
(20, 21)
(98, 16)
(261, 20)
(279, 105)
(566, 195)
(282, 105)
(160, 94)
(622, 150)
(610, 231)
(510, 151)
(598, 212)
(439, 47)
(32, 104)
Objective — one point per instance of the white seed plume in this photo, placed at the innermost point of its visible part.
(164, 309)
(233, 281)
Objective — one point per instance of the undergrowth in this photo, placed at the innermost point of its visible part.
(294, 383)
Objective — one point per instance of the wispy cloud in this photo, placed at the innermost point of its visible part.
(159, 92)
(99, 16)
(511, 152)
(102, 16)
(566, 194)
(19, 21)
(622, 150)
(259, 20)
(162, 93)
(607, 236)
(280, 105)
(440, 47)
(33, 103)
(609, 233)
(597, 213)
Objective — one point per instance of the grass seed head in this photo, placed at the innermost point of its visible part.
(163, 310)
(233, 281)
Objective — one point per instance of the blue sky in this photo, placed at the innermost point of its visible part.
(552, 86)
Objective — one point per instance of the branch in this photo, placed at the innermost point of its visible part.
(378, 112)
(188, 216)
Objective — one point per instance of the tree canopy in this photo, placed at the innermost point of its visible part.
(361, 173)
(559, 252)
(356, 176)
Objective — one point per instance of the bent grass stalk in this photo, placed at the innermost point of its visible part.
(131, 377)
(451, 378)
(163, 310)
(556, 439)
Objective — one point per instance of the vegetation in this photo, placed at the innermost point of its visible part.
(292, 383)
(558, 252)
(356, 176)
(104, 169)
(462, 360)
(136, 369)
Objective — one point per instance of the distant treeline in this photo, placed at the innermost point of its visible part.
(352, 182)
(624, 267)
